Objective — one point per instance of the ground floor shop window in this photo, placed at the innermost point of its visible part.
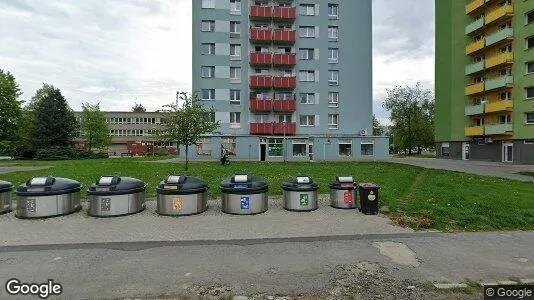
(229, 144)
(445, 149)
(276, 147)
(368, 149)
(299, 148)
(345, 148)
(204, 147)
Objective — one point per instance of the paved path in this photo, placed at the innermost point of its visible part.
(5, 169)
(494, 169)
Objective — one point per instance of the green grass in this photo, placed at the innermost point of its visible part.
(527, 173)
(418, 198)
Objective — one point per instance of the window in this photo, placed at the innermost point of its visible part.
(207, 71)
(307, 120)
(307, 98)
(235, 97)
(530, 92)
(284, 118)
(235, 120)
(345, 148)
(284, 96)
(208, 26)
(333, 32)
(333, 10)
(235, 73)
(506, 96)
(299, 148)
(333, 55)
(530, 17)
(530, 42)
(307, 10)
(207, 49)
(530, 67)
(306, 53)
(307, 75)
(333, 99)
(333, 121)
(235, 50)
(208, 3)
(368, 149)
(229, 144)
(505, 119)
(307, 31)
(445, 149)
(530, 117)
(204, 147)
(208, 94)
(333, 77)
(275, 147)
(235, 6)
(235, 27)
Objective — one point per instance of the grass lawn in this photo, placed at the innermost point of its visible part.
(416, 197)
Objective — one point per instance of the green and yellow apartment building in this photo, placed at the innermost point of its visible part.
(485, 80)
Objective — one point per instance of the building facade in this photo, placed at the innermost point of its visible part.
(485, 80)
(289, 79)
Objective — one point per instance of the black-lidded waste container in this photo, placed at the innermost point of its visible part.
(42, 197)
(369, 198)
(300, 194)
(5, 196)
(244, 195)
(113, 196)
(343, 192)
(182, 196)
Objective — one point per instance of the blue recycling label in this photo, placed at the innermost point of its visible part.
(245, 202)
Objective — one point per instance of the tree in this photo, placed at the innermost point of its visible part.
(54, 124)
(138, 107)
(185, 123)
(377, 127)
(94, 127)
(412, 115)
(10, 111)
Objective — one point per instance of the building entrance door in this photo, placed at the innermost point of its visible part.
(508, 152)
(263, 152)
(465, 151)
(310, 151)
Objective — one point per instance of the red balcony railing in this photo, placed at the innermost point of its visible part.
(285, 105)
(260, 105)
(285, 129)
(287, 13)
(285, 36)
(288, 59)
(261, 12)
(261, 35)
(285, 82)
(258, 58)
(260, 81)
(261, 128)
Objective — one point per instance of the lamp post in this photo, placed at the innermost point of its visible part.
(153, 141)
(285, 143)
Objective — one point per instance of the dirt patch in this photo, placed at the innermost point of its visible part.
(415, 222)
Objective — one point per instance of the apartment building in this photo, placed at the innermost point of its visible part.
(485, 80)
(289, 79)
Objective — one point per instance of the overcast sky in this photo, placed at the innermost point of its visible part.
(119, 51)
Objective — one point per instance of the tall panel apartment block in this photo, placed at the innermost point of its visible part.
(289, 79)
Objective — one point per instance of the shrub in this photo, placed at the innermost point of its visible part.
(55, 153)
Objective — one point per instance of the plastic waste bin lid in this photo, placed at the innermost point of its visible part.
(343, 183)
(46, 186)
(182, 185)
(115, 185)
(244, 184)
(369, 186)
(5, 186)
(301, 184)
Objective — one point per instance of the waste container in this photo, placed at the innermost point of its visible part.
(42, 197)
(113, 196)
(343, 192)
(182, 196)
(5, 196)
(369, 198)
(244, 195)
(300, 194)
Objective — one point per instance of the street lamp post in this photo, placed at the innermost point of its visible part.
(285, 143)
(153, 142)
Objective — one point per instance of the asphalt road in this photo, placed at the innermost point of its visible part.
(141, 269)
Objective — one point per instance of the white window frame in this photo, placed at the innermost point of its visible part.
(367, 143)
(235, 25)
(300, 142)
(344, 142)
(333, 121)
(526, 118)
(211, 24)
(307, 9)
(236, 76)
(235, 6)
(211, 48)
(306, 53)
(211, 93)
(333, 77)
(235, 97)
(307, 75)
(310, 121)
(235, 119)
(310, 31)
(333, 10)
(527, 16)
(307, 96)
(526, 92)
(526, 67)
(275, 142)
(211, 72)
(333, 101)
(202, 150)
(331, 57)
(333, 32)
(236, 51)
(527, 41)
(207, 4)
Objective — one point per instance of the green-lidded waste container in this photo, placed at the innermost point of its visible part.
(300, 194)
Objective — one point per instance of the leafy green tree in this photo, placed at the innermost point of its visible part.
(94, 128)
(10, 111)
(377, 127)
(138, 107)
(54, 124)
(185, 123)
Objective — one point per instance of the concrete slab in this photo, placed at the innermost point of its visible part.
(445, 286)
(399, 253)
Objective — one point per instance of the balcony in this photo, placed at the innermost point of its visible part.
(498, 106)
(474, 88)
(473, 5)
(285, 105)
(283, 82)
(474, 68)
(256, 105)
(474, 47)
(285, 13)
(499, 82)
(261, 12)
(505, 11)
(285, 129)
(287, 59)
(261, 35)
(285, 36)
(261, 128)
(474, 110)
(474, 131)
(499, 129)
(474, 26)
(261, 81)
(499, 36)
(501, 59)
(260, 59)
